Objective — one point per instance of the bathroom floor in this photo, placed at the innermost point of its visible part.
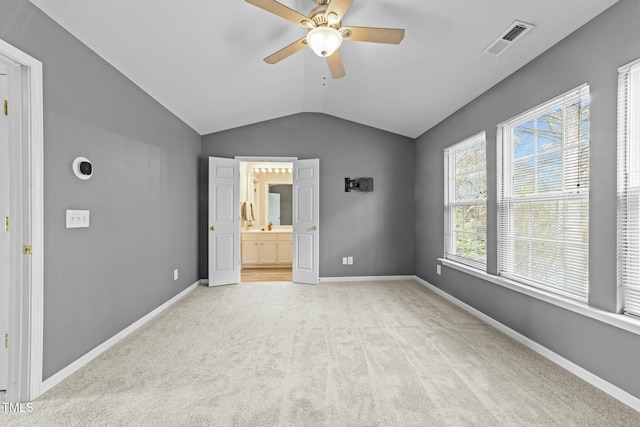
(254, 275)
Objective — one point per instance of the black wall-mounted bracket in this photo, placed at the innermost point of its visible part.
(359, 184)
(349, 184)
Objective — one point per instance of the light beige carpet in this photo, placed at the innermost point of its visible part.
(336, 354)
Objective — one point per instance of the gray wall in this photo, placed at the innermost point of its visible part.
(142, 197)
(372, 227)
(592, 54)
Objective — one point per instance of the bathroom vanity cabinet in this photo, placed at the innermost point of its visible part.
(266, 248)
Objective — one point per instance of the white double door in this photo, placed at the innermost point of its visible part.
(224, 221)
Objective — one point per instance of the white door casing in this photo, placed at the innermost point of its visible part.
(4, 234)
(224, 221)
(26, 216)
(306, 226)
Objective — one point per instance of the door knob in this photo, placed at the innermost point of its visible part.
(213, 228)
(314, 228)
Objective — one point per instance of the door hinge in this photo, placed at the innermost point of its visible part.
(6, 107)
(6, 223)
(27, 250)
(6, 340)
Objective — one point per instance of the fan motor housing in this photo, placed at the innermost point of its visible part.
(317, 15)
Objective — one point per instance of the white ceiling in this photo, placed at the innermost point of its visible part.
(202, 59)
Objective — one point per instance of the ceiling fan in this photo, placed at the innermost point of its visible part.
(326, 32)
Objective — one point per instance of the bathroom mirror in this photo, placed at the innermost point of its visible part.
(268, 188)
(280, 204)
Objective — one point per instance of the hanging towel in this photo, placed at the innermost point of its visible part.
(243, 210)
(246, 212)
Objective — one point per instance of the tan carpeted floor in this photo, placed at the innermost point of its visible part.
(336, 354)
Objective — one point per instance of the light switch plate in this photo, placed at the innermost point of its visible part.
(438, 269)
(344, 260)
(77, 218)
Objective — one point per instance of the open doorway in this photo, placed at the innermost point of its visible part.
(266, 226)
(225, 211)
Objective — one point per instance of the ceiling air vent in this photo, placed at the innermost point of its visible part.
(508, 37)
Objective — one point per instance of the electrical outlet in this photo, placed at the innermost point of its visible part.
(350, 260)
(438, 269)
(77, 218)
(175, 274)
(344, 260)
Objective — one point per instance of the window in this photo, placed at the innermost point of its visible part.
(629, 186)
(543, 196)
(465, 225)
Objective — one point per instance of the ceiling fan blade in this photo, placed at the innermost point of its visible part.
(280, 10)
(286, 51)
(375, 35)
(335, 65)
(339, 7)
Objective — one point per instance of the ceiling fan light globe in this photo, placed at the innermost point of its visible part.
(324, 41)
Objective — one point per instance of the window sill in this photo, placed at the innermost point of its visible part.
(621, 321)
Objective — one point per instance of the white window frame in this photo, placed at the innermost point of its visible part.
(450, 203)
(628, 194)
(507, 197)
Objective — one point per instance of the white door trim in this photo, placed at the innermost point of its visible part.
(27, 204)
(264, 159)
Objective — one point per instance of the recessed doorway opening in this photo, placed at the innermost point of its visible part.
(227, 216)
(266, 226)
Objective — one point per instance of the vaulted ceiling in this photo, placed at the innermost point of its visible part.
(202, 59)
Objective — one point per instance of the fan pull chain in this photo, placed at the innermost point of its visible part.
(325, 72)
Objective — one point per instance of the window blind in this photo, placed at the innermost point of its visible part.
(543, 196)
(465, 224)
(628, 217)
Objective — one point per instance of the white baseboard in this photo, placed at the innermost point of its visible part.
(365, 278)
(350, 279)
(612, 390)
(59, 376)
